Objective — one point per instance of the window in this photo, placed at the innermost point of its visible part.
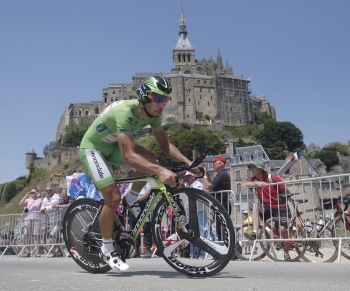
(179, 58)
(97, 111)
(111, 99)
(248, 158)
(198, 81)
(249, 173)
(237, 160)
(189, 58)
(105, 94)
(105, 99)
(200, 96)
(238, 175)
(87, 113)
(239, 187)
(189, 100)
(205, 82)
(208, 103)
(113, 91)
(211, 82)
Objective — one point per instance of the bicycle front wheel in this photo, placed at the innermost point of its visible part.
(84, 249)
(276, 250)
(210, 238)
(342, 230)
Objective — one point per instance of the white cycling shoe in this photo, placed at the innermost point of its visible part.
(113, 260)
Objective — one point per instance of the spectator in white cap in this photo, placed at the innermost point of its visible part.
(191, 182)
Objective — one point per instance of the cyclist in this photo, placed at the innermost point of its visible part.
(109, 141)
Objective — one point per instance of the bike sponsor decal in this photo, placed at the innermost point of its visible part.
(75, 253)
(98, 167)
(113, 137)
(189, 269)
(143, 214)
(101, 127)
(76, 256)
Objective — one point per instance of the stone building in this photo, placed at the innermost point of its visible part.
(203, 89)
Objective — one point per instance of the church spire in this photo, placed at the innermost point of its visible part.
(219, 62)
(182, 23)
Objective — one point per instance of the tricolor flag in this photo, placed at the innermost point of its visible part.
(295, 156)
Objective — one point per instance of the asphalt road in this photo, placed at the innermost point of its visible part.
(154, 274)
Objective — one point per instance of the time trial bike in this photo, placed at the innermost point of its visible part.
(193, 209)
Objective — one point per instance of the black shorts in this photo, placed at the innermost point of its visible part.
(283, 211)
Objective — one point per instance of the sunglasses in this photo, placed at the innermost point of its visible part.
(48, 190)
(157, 98)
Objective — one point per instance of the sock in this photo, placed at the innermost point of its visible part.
(107, 246)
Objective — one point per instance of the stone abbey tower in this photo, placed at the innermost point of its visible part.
(203, 87)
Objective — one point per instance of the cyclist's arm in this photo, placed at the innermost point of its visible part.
(133, 159)
(168, 148)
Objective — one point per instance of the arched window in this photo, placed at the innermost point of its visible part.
(189, 58)
(184, 57)
(97, 111)
(187, 72)
(179, 58)
(86, 113)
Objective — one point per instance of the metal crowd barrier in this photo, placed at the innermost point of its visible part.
(33, 233)
(316, 199)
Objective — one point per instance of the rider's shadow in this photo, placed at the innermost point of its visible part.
(168, 275)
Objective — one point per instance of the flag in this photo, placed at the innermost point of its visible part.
(295, 156)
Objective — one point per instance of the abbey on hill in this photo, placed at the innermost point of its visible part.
(199, 86)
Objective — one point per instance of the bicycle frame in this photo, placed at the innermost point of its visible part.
(159, 190)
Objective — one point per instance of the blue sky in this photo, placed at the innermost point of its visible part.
(53, 53)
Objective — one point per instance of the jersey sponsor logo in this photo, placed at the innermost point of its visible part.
(113, 137)
(98, 167)
(129, 120)
(101, 127)
(124, 130)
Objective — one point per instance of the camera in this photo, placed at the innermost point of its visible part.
(32, 193)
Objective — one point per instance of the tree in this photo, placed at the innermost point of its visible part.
(284, 132)
(74, 132)
(262, 117)
(342, 148)
(53, 145)
(199, 138)
(10, 191)
(276, 151)
(329, 158)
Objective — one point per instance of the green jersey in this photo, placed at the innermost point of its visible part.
(121, 117)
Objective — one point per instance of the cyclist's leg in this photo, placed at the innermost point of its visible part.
(96, 164)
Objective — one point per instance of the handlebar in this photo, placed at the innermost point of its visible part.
(181, 168)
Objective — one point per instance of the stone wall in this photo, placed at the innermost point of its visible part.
(55, 158)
